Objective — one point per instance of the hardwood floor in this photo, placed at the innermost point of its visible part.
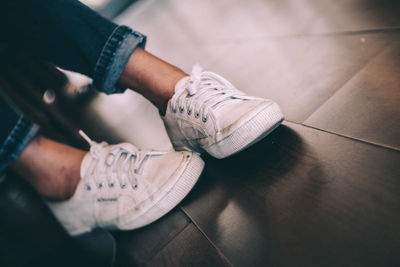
(141, 245)
(367, 107)
(323, 188)
(190, 248)
(302, 196)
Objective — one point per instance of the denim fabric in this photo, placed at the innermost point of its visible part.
(16, 132)
(113, 58)
(70, 35)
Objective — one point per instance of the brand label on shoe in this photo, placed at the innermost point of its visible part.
(112, 199)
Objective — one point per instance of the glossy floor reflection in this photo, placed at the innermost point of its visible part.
(301, 196)
(322, 190)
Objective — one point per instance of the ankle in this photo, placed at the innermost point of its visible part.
(53, 169)
(66, 183)
(66, 191)
(151, 77)
(168, 94)
(56, 187)
(58, 193)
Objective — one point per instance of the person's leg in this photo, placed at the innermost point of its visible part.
(203, 111)
(65, 32)
(152, 77)
(213, 116)
(74, 37)
(112, 186)
(57, 182)
(30, 155)
(27, 225)
(16, 132)
(107, 52)
(119, 186)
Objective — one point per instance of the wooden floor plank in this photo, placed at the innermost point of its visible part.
(137, 247)
(368, 106)
(302, 197)
(189, 248)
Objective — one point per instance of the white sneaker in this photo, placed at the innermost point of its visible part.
(126, 188)
(207, 113)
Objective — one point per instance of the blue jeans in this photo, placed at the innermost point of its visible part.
(70, 35)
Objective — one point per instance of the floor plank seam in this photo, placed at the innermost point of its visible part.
(366, 31)
(220, 253)
(167, 243)
(347, 81)
(348, 137)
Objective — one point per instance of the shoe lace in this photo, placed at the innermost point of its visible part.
(122, 163)
(203, 92)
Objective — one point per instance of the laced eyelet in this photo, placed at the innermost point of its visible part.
(111, 185)
(134, 186)
(87, 187)
(196, 115)
(174, 110)
(189, 112)
(100, 185)
(181, 109)
(204, 119)
(123, 186)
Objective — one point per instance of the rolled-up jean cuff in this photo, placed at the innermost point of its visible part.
(18, 139)
(113, 58)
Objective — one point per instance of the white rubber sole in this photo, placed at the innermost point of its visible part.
(169, 199)
(255, 129)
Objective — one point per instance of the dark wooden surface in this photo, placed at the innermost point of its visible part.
(302, 196)
(367, 107)
(190, 248)
(141, 245)
(323, 189)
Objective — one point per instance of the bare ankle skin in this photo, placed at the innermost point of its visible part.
(152, 77)
(52, 168)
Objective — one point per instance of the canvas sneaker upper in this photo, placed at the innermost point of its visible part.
(206, 109)
(123, 187)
